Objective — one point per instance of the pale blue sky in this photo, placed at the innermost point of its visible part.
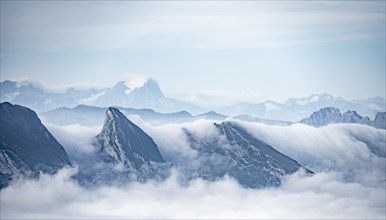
(245, 51)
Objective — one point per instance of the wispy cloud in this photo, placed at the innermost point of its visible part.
(231, 25)
(213, 99)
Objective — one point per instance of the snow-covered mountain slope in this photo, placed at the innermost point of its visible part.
(131, 93)
(236, 153)
(295, 109)
(26, 146)
(142, 92)
(331, 115)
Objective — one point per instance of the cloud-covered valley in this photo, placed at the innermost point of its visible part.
(349, 179)
(320, 196)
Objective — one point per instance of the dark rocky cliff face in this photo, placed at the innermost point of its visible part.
(26, 146)
(252, 162)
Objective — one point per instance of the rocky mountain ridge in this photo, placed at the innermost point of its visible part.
(332, 115)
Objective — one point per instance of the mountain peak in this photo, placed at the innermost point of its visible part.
(212, 115)
(112, 112)
(142, 92)
(323, 117)
(124, 142)
(135, 82)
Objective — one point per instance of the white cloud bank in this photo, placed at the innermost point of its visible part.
(321, 196)
(76, 139)
(349, 182)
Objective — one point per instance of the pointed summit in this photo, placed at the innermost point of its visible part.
(323, 117)
(140, 92)
(136, 92)
(121, 141)
(113, 114)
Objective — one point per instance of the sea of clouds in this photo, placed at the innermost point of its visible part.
(349, 180)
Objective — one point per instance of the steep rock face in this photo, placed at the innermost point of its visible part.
(350, 117)
(26, 146)
(379, 120)
(238, 154)
(123, 142)
(323, 117)
(331, 115)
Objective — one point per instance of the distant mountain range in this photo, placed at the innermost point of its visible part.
(295, 109)
(331, 115)
(144, 93)
(92, 116)
(37, 97)
(136, 92)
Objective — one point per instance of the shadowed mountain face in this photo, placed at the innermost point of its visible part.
(379, 120)
(122, 141)
(26, 146)
(238, 154)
